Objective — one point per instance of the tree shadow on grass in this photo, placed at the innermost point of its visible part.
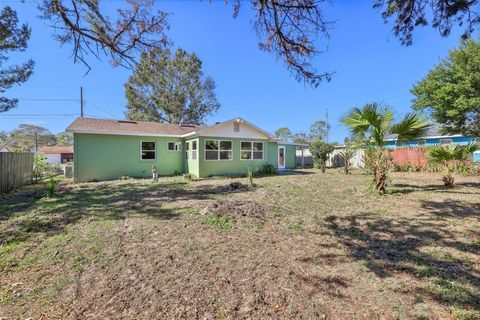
(100, 201)
(388, 247)
(405, 188)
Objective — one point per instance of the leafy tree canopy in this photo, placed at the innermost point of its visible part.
(170, 89)
(65, 139)
(13, 37)
(318, 130)
(284, 134)
(451, 90)
(23, 138)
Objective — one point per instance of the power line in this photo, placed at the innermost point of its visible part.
(101, 109)
(48, 99)
(38, 114)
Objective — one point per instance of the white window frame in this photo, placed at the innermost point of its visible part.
(423, 144)
(442, 141)
(218, 151)
(154, 151)
(177, 146)
(187, 150)
(252, 151)
(195, 151)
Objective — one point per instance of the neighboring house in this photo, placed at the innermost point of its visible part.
(109, 149)
(4, 149)
(57, 154)
(431, 138)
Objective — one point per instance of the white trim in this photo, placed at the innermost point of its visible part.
(154, 151)
(203, 129)
(252, 151)
(176, 144)
(429, 137)
(218, 151)
(284, 158)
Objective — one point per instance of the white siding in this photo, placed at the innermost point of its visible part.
(227, 130)
(54, 158)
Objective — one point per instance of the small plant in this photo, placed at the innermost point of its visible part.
(51, 184)
(188, 176)
(452, 158)
(269, 169)
(250, 176)
(40, 167)
(124, 178)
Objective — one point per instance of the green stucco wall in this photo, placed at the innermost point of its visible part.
(108, 157)
(234, 166)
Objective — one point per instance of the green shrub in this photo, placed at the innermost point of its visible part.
(269, 169)
(51, 184)
(250, 175)
(40, 167)
(188, 176)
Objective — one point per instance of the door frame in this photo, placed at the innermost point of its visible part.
(278, 157)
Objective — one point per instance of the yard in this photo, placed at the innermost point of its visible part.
(313, 246)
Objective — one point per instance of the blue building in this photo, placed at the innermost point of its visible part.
(432, 137)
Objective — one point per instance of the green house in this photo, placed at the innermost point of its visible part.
(108, 149)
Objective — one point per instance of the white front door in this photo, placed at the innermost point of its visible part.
(281, 157)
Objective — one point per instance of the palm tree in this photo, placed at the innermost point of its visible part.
(370, 124)
(346, 155)
(450, 156)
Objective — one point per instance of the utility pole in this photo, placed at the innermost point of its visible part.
(326, 118)
(81, 102)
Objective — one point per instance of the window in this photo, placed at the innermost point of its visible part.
(445, 141)
(218, 150)
(187, 147)
(251, 150)
(421, 142)
(148, 150)
(194, 150)
(236, 127)
(173, 146)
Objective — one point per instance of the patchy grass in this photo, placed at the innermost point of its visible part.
(326, 248)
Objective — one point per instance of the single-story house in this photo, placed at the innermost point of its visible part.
(4, 149)
(57, 154)
(108, 149)
(432, 137)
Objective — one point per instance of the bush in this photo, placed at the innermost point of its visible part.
(269, 169)
(40, 167)
(51, 184)
(250, 176)
(320, 151)
(188, 176)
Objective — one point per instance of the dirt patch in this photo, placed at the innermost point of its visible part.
(237, 209)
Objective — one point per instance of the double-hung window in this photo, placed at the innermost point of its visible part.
(187, 149)
(194, 150)
(218, 150)
(148, 151)
(251, 150)
(174, 146)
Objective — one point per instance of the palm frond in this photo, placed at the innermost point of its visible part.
(457, 152)
(412, 126)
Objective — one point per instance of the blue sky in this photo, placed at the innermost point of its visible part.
(368, 61)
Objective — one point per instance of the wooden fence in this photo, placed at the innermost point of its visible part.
(413, 156)
(15, 170)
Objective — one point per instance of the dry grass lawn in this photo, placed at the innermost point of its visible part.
(310, 246)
